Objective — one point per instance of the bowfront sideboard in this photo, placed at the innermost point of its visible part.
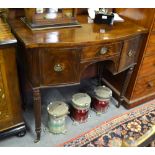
(62, 57)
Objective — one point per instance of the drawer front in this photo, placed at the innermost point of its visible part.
(100, 51)
(129, 53)
(148, 66)
(150, 49)
(144, 86)
(59, 66)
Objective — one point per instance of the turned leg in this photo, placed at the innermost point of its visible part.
(37, 112)
(125, 85)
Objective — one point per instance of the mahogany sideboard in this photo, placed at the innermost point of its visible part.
(61, 57)
(11, 120)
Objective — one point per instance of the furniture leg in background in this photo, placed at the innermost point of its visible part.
(100, 72)
(125, 85)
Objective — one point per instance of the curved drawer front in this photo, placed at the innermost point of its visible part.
(129, 53)
(59, 66)
(100, 51)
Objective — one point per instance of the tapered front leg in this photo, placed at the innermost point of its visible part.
(125, 85)
(37, 112)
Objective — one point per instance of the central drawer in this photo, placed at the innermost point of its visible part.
(100, 51)
(59, 66)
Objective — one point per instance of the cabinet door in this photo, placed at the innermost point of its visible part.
(4, 107)
(129, 53)
(10, 107)
(59, 66)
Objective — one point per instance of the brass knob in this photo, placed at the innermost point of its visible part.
(0, 112)
(103, 50)
(130, 53)
(150, 84)
(58, 68)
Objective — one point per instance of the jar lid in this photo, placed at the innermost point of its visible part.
(57, 109)
(81, 100)
(103, 92)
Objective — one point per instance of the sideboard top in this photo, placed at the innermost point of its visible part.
(6, 37)
(88, 33)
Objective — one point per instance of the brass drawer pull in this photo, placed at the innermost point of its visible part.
(103, 50)
(130, 53)
(150, 84)
(58, 68)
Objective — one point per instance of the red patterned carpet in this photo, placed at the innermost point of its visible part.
(131, 125)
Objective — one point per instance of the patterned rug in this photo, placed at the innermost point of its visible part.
(131, 126)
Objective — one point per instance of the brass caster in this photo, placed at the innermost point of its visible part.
(36, 140)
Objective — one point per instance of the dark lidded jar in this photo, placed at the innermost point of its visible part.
(101, 99)
(80, 107)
